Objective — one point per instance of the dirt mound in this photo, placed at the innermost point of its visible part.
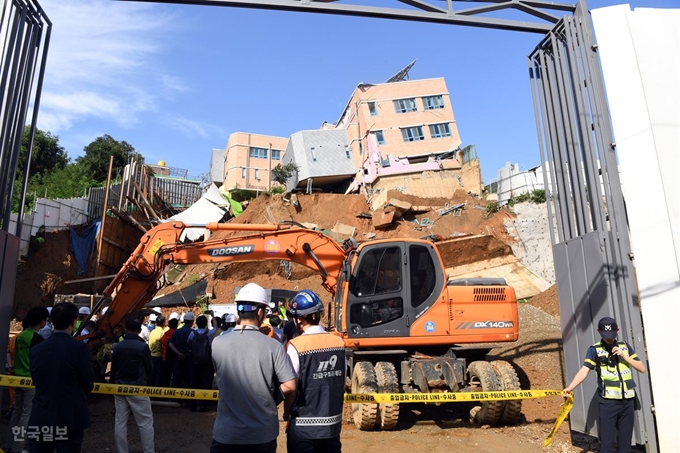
(547, 301)
(42, 274)
(325, 210)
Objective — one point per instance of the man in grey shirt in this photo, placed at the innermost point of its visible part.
(252, 371)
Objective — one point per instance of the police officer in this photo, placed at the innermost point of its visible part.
(613, 360)
(318, 358)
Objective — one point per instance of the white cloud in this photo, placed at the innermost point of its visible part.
(104, 62)
(191, 127)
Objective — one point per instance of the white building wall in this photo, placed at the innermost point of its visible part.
(640, 56)
(512, 182)
(54, 215)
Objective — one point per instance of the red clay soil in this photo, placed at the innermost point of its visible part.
(547, 301)
(42, 274)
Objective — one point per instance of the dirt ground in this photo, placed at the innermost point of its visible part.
(537, 356)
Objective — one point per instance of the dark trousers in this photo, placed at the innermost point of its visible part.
(616, 414)
(166, 372)
(72, 445)
(181, 377)
(157, 372)
(297, 444)
(201, 378)
(268, 447)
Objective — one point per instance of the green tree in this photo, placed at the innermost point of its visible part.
(282, 173)
(68, 182)
(97, 154)
(47, 154)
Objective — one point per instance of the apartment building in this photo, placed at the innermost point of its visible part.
(399, 127)
(394, 131)
(249, 159)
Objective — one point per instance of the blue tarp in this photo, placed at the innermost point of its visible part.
(82, 244)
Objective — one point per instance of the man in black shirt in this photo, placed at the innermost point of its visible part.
(131, 364)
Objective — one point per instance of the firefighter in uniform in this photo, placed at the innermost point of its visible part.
(318, 358)
(613, 360)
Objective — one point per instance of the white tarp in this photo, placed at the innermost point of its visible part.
(211, 207)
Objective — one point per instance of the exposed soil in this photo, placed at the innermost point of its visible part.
(42, 274)
(537, 356)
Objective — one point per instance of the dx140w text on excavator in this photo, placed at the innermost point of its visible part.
(406, 327)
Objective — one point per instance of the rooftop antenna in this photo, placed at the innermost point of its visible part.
(401, 75)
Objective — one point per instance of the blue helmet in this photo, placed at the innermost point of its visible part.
(305, 303)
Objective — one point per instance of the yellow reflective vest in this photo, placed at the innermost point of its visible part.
(615, 374)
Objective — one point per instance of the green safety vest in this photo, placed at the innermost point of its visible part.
(614, 373)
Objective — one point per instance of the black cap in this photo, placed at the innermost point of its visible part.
(607, 327)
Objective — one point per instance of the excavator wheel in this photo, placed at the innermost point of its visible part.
(512, 410)
(364, 381)
(388, 414)
(482, 374)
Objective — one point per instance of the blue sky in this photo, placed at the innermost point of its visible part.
(175, 80)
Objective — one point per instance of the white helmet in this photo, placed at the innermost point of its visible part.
(84, 311)
(157, 309)
(251, 297)
(174, 315)
(152, 317)
(230, 318)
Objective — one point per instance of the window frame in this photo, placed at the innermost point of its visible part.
(379, 140)
(436, 130)
(433, 106)
(372, 108)
(277, 153)
(411, 137)
(401, 107)
(258, 154)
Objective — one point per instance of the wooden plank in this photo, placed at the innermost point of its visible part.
(145, 202)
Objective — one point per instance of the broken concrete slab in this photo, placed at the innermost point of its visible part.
(400, 207)
(525, 282)
(383, 218)
(345, 230)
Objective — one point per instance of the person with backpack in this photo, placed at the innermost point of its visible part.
(202, 371)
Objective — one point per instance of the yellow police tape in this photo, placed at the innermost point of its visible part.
(566, 407)
(445, 397)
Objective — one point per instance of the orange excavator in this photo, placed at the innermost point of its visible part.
(406, 326)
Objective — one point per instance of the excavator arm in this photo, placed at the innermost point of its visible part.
(139, 279)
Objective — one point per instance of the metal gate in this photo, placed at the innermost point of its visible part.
(24, 37)
(591, 247)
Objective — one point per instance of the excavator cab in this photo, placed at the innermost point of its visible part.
(390, 286)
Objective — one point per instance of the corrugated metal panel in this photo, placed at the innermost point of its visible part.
(322, 153)
(217, 166)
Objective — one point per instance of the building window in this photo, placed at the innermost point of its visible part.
(348, 152)
(276, 154)
(379, 137)
(433, 102)
(440, 130)
(313, 154)
(412, 134)
(243, 173)
(405, 105)
(257, 174)
(259, 153)
(371, 108)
